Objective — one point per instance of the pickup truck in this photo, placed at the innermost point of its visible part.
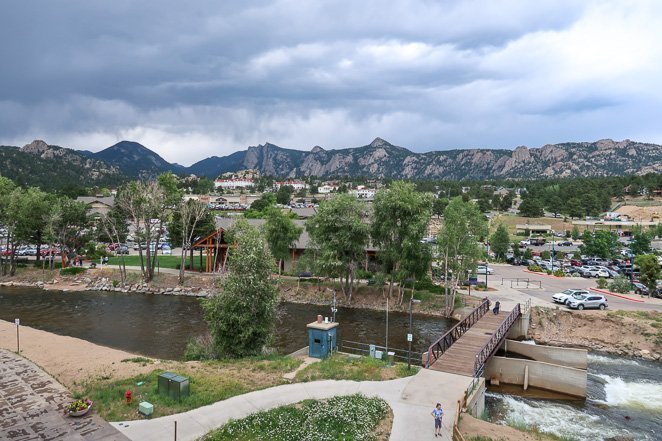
(537, 241)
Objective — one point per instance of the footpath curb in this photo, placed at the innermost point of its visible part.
(603, 291)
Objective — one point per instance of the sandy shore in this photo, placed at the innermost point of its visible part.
(70, 360)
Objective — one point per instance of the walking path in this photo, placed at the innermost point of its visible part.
(412, 399)
(32, 405)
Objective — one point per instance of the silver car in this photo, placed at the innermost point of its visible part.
(588, 301)
(564, 296)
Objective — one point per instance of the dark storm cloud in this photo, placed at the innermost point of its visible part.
(205, 77)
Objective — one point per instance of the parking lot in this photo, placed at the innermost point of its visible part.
(550, 285)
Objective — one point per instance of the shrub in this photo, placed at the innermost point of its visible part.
(549, 272)
(200, 348)
(602, 283)
(534, 268)
(559, 273)
(620, 284)
(363, 274)
(72, 271)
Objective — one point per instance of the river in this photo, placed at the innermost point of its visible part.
(624, 399)
(160, 326)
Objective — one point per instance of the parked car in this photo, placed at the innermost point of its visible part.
(565, 243)
(122, 249)
(575, 262)
(640, 288)
(484, 269)
(166, 250)
(588, 301)
(603, 273)
(563, 296)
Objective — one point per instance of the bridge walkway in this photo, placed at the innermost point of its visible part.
(460, 357)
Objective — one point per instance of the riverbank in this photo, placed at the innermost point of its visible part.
(624, 333)
(202, 285)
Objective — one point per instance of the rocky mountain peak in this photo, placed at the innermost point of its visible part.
(36, 147)
(317, 149)
(379, 142)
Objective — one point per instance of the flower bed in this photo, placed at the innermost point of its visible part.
(352, 417)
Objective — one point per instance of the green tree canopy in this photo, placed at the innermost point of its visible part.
(458, 243)
(649, 271)
(281, 233)
(530, 207)
(400, 219)
(500, 241)
(241, 317)
(602, 244)
(341, 236)
(641, 243)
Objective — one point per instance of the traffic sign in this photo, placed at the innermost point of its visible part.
(410, 337)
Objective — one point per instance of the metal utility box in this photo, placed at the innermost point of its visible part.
(173, 385)
(146, 408)
(321, 339)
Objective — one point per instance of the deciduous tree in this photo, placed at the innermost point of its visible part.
(241, 317)
(500, 241)
(340, 234)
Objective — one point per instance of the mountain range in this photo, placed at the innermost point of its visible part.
(41, 164)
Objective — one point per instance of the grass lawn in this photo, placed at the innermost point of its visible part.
(343, 367)
(351, 417)
(164, 261)
(209, 382)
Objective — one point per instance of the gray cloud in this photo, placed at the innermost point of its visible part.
(206, 78)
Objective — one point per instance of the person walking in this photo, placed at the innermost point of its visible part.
(497, 306)
(437, 414)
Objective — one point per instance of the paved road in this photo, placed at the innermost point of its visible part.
(412, 399)
(551, 285)
(32, 405)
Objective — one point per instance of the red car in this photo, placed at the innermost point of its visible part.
(575, 262)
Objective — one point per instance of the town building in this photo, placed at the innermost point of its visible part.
(234, 184)
(296, 184)
(98, 204)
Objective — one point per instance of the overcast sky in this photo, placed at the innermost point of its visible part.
(200, 78)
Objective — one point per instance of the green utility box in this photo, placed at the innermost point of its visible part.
(145, 408)
(173, 385)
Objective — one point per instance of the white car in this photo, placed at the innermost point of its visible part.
(166, 250)
(564, 296)
(484, 269)
(588, 301)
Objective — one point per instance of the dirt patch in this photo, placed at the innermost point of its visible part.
(473, 427)
(634, 334)
(383, 429)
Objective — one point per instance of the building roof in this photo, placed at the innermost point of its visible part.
(304, 241)
(109, 201)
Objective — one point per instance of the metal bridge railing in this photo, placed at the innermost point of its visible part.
(444, 342)
(495, 341)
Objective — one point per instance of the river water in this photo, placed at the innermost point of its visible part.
(160, 326)
(624, 399)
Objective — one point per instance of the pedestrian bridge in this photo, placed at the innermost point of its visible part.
(468, 345)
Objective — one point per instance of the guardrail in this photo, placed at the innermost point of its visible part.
(444, 342)
(355, 347)
(495, 341)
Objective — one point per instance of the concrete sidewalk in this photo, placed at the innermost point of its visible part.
(412, 400)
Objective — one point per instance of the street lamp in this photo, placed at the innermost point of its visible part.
(410, 336)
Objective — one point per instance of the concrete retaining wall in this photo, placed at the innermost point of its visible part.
(520, 328)
(548, 376)
(570, 357)
(475, 404)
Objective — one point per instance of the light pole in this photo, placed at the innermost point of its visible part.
(551, 255)
(410, 336)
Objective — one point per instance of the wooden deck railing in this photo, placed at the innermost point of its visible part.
(444, 342)
(495, 341)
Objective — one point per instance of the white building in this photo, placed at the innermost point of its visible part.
(233, 184)
(364, 193)
(297, 185)
(326, 188)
